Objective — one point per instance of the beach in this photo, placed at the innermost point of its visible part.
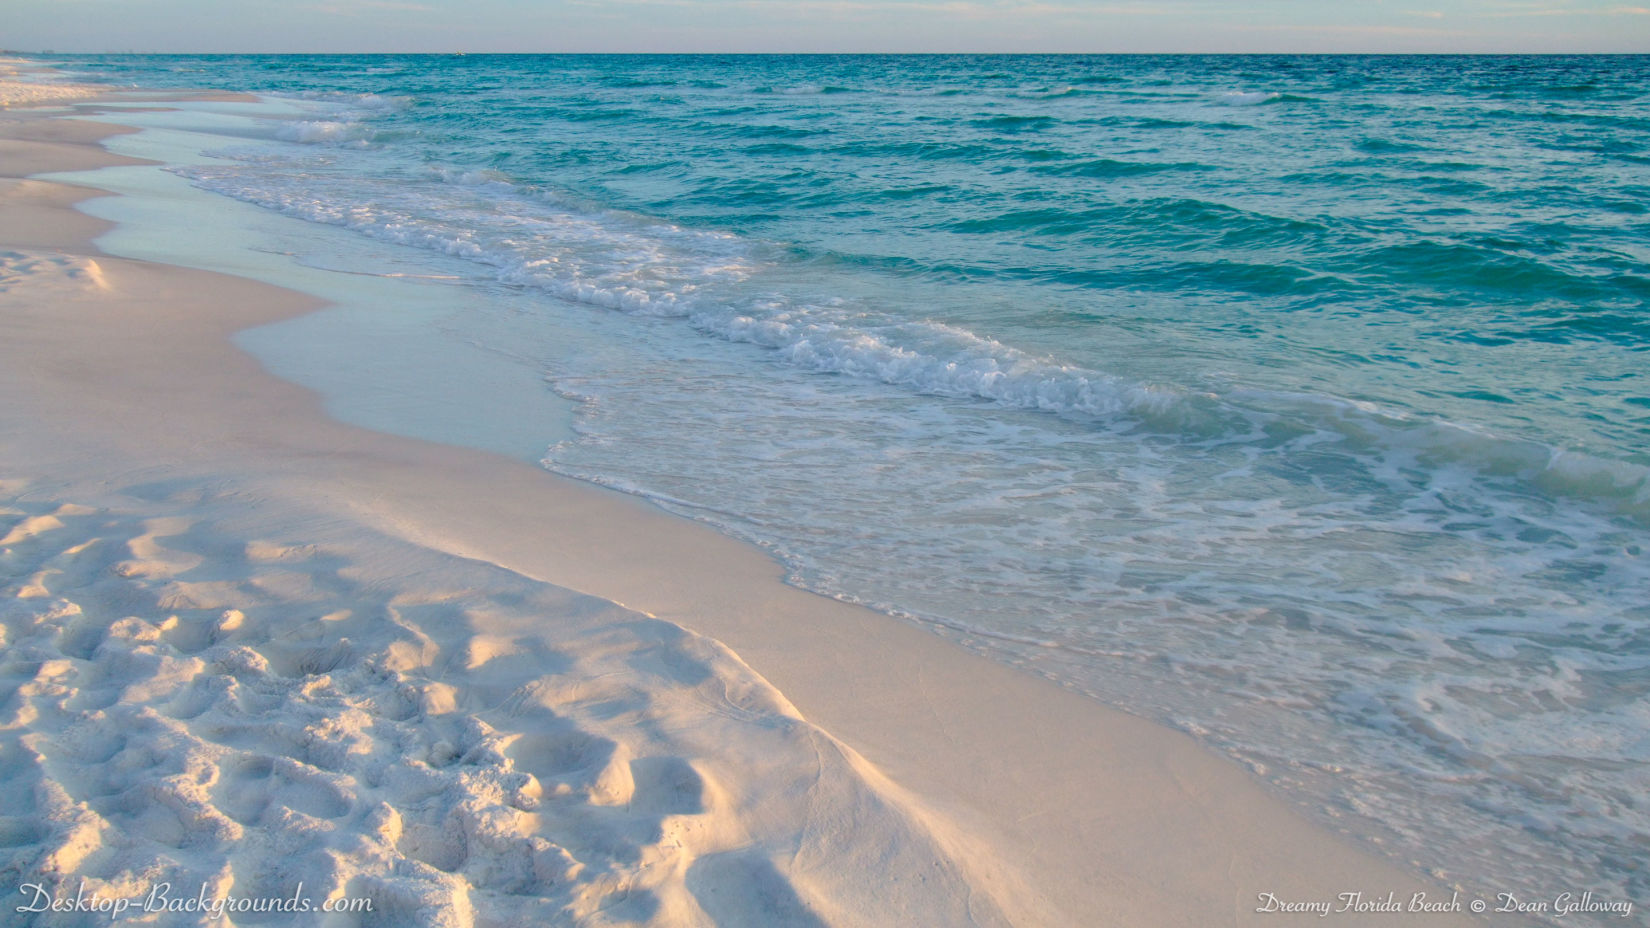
(259, 652)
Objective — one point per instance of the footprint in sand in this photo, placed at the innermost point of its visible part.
(16, 267)
(252, 787)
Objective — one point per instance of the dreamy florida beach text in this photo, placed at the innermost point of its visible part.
(1360, 903)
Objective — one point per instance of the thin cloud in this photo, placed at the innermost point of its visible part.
(1051, 9)
(1349, 30)
(1547, 9)
(968, 9)
(358, 7)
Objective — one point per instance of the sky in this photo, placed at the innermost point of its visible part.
(825, 26)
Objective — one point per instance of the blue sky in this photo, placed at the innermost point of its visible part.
(826, 25)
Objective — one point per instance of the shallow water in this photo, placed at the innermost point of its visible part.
(1297, 402)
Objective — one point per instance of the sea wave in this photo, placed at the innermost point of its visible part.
(325, 132)
(529, 238)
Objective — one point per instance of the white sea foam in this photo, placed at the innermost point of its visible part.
(1403, 603)
(338, 119)
(1247, 98)
(372, 102)
(325, 132)
(663, 270)
(713, 280)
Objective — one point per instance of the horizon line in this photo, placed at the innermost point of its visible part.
(824, 54)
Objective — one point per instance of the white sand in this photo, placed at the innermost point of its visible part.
(22, 84)
(199, 696)
(248, 646)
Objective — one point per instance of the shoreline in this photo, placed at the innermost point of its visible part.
(1037, 774)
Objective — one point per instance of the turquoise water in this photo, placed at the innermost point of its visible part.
(1299, 402)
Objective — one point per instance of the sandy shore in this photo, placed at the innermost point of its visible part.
(248, 646)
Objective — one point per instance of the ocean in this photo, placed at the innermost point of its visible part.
(1299, 403)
